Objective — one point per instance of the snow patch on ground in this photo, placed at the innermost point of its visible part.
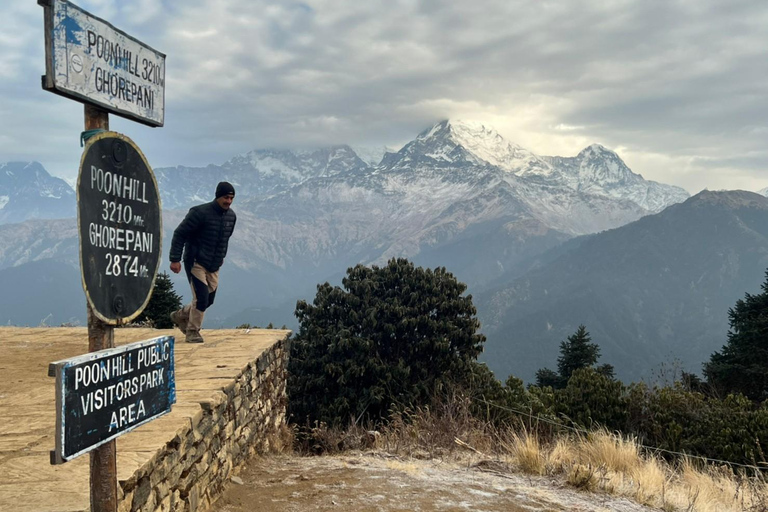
(387, 483)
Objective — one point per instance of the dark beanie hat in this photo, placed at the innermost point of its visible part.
(224, 188)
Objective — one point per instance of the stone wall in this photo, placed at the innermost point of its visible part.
(246, 417)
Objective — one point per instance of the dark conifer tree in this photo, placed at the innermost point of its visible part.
(741, 366)
(576, 352)
(163, 302)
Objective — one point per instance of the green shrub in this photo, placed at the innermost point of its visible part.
(676, 419)
(392, 337)
(592, 399)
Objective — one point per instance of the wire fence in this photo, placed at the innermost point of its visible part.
(582, 430)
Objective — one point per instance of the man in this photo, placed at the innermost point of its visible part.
(204, 237)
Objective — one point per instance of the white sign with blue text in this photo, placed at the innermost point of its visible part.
(90, 60)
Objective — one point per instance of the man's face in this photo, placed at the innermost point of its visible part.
(226, 201)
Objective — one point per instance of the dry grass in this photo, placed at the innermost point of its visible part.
(609, 463)
(583, 477)
(560, 456)
(527, 452)
(716, 488)
(432, 433)
(421, 433)
(601, 448)
(649, 483)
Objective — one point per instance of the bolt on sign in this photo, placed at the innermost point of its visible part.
(120, 225)
(102, 395)
(89, 60)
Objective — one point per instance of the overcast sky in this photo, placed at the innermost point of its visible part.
(677, 88)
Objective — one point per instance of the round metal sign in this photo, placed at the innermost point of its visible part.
(120, 224)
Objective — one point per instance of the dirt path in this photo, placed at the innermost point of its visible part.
(384, 483)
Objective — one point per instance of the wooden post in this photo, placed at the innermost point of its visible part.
(96, 117)
(101, 336)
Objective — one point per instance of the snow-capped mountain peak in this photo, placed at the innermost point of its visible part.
(456, 142)
(298, 165)
(598, 170)
(451, 145)
(595, 148)
(598, 164)
(438, 145)
(486, 144)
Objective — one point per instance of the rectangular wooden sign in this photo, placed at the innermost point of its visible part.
(102, 395)
(90, 60)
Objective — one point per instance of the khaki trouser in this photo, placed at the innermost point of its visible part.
(203, 285)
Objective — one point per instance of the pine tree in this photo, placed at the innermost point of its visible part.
(576, 352)
(741, 366)
(163, 302)
(392, 337)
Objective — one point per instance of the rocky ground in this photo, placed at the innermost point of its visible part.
(385, 483)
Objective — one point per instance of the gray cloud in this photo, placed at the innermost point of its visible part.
(677, 87)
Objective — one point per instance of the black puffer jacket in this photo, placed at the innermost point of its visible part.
(204, 236)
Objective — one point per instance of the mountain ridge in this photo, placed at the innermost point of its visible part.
(449, 144)
(651, 291)
(27, 191)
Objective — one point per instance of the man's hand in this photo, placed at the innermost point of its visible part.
(175, 267)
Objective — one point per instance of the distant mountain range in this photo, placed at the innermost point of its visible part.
(656, 290)
(27, 191)
(256, 174)
(458, 196)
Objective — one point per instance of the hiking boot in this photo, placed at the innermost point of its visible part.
(178, 319)
(194, 337)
